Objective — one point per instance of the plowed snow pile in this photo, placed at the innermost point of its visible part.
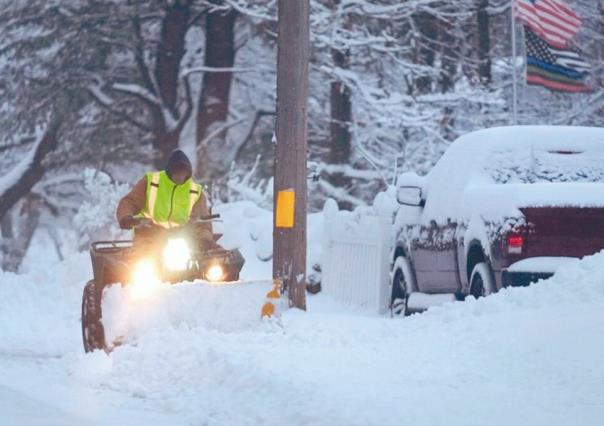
(200, 356)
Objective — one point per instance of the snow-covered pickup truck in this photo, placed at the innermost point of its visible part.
(502, 207)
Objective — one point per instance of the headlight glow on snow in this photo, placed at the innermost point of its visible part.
(215, 273)
(176, 255)
(144, 279)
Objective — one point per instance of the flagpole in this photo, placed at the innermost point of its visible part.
(514, 80)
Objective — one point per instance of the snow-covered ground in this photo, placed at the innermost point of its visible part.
(528, 356)
(200, 355)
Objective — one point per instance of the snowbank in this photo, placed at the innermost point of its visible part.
(202, 356)
(540, 264)
(249, 228)
(40, 310)
(577, 282)
(532, 354)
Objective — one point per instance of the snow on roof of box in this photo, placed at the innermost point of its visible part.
(552, 138)
(515, 155)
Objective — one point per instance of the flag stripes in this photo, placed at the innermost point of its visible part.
(570, 59)
(557, 69)
(555, 85)
(551, 19)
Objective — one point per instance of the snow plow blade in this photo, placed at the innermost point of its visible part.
(121, 315)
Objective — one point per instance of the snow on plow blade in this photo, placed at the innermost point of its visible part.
(128, 314)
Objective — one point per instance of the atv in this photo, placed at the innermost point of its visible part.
(154, 255)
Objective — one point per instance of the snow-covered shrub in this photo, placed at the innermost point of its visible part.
(95, 218)
(243, 186)
(384, 205)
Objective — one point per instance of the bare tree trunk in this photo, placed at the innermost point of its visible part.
(19, 244)
(341, 116)
(33, 173)
(16, 241)
(6, 227)
(213, 107)
(170, 52)
(164, 140)
(449, 59)
(56, 240)
(426, 49)
(484, 43)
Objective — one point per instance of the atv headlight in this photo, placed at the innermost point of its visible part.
(215, 273)
(176, 255)
(144, 279)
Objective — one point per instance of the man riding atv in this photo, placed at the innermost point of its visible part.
(168, 199)
(173, 242)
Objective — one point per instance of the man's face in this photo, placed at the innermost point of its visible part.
(179, 177)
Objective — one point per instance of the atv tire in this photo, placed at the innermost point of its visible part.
(93, 332)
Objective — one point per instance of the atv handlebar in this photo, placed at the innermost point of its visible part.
(146, 223)
(209, 217)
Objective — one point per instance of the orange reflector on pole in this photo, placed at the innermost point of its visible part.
(286, 202)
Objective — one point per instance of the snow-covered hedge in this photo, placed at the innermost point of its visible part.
(95, 218)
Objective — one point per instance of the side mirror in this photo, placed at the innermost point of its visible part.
(409, 196)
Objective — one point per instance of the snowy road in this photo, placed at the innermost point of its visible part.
(524, 357)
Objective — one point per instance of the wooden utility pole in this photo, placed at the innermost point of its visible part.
(289, 234)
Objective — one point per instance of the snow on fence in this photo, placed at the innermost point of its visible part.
(356, 259)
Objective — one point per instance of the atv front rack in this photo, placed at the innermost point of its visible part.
(105, 255)
(111, 246)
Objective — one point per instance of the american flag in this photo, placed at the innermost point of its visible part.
(553, 20)
(561, 70)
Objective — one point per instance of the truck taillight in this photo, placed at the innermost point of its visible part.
(515, 243)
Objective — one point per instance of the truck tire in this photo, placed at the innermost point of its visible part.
(482, 282)
(402, 284)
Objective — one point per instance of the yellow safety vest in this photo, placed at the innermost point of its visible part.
(168, 204)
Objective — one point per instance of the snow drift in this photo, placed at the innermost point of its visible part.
(522, 356)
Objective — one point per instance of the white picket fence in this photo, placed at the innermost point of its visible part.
(356, 261)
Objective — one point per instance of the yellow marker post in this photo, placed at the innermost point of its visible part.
(286, 203)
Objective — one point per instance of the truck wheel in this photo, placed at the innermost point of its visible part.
(482, 282)
(402, 284)
(93, 332)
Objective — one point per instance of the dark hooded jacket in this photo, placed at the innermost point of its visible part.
(134, 201)
(178, 161)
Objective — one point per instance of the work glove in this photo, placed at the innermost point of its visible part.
(128, 222)
(207, 245)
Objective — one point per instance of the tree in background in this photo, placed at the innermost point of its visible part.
(340, 102)
(68, 103)
(213, 107)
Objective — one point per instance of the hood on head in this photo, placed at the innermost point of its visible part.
(178, 161)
